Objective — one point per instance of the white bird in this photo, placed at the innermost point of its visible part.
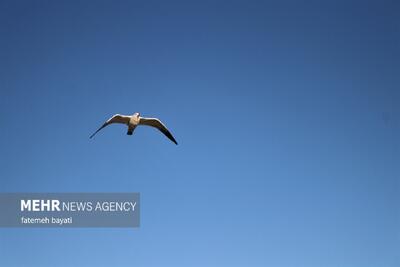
(133, 121)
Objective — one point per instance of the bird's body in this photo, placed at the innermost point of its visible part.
(133, 121)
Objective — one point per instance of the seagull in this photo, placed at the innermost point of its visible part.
(133, 121)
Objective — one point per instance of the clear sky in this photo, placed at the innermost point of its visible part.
(286, 112)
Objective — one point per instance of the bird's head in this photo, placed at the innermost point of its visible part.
(136, 114)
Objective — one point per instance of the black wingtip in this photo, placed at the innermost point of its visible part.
(170, 137)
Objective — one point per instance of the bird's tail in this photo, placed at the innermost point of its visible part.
(130, 131)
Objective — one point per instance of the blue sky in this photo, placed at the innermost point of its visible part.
(286, 114)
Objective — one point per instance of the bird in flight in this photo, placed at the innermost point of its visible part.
(133, 121)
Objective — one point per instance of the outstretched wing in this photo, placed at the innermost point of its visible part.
(159, 125)
(114, 119)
